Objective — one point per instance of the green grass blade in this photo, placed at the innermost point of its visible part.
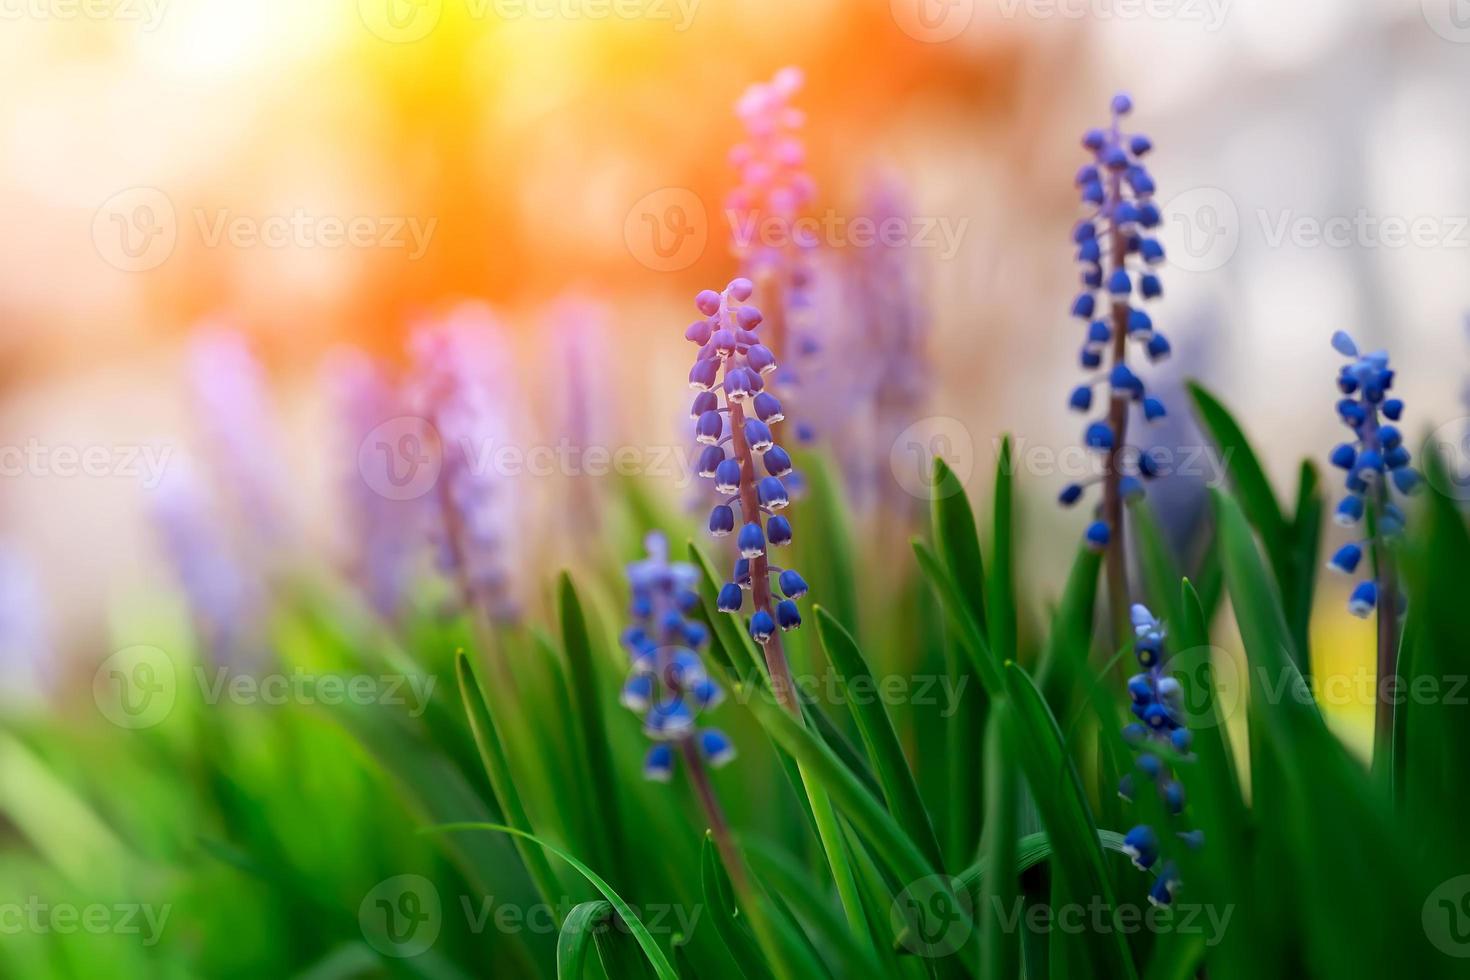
(956, 540)
(1059, 797)
(1001, 600)
(777, 870)
(497, 767)
(879, 737)
(1000, 946)
(1306, 540)
(574, 941)
(829, 528)
(1064, 658)
(651, 950)
(729, 924)
(588, 693)
(1247, 475)
(1161, 574)
(962, 617)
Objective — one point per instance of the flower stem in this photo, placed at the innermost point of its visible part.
(1116, 556)
(782, 685)
(1388, 602)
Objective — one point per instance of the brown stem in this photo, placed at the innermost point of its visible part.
(760, 568)
(1112, 506)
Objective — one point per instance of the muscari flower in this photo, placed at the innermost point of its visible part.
(774, 250)
(461, 383)
(385, 533)
(732, 408)
(1157, 704)
(667, 682)
(1376, 462)
(1118, 252)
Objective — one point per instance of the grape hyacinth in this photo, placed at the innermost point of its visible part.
(461, 381)
(233, 407)
(1157, 704)
(1117, 252)
(733, 409)
(668, 684)
(775, 252)
(1378, 467)
(384, 532)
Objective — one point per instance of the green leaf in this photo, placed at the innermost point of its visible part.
(729, 923)
(1253, 489)
(895, 848)
(956, 540)
(828, 527)
(1306, 540)
(1002, 596)
(1062, 804)
(587, 692)
(1000, 946)
(497, 767)
(1160, 571)
(879, 737)
(574, 941)
(962, 617)
(651, 950)
(1064, 658)
(777, 870)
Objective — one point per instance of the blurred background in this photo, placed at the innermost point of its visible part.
(314, 175)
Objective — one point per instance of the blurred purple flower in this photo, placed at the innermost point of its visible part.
(462, 383)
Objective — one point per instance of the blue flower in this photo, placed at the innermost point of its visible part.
(1377, 448)
(1156, 699)
(1116, 257)
(730, 345)
(668, 683)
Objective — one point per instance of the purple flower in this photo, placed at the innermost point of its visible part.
(385, 534)
(1117, 252)
(462, 384)
(227, 598)
(667, 683)
(233, 406)
(1377, 465)
(730, 326)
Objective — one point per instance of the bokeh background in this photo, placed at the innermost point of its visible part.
(1310, 154)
